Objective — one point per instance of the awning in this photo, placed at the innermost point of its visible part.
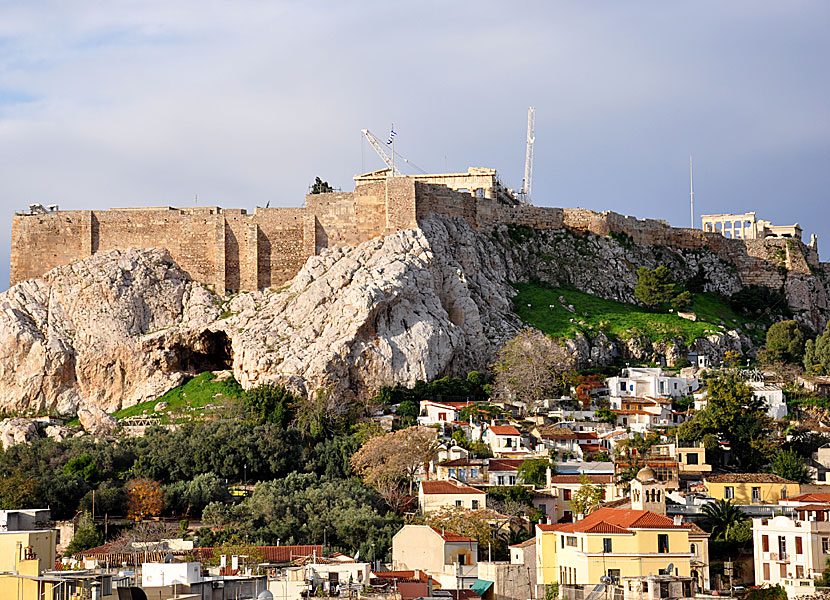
(481, 586)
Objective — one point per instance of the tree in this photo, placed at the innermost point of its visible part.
(654, 288)
(530, 366)
(388, 461)
(17, 491)
(789, 465)
(271, 404)
(785, 341)
(632, 452)
(320, 187)
(587, 496)
(533, 471)
(87, 535)
(817, 353)
(606, 415)
(191, 497)
(144, 499)
(735, 415)
(720, 517)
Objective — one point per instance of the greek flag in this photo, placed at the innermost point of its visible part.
(392, 134)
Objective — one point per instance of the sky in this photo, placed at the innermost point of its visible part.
(156, 103)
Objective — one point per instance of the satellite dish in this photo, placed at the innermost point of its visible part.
(168, 558)
(605, 579)
(265, 595)
(670, 569)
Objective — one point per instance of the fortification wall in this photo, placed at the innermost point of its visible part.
(232, 250)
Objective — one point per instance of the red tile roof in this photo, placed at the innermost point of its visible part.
(586, 435)
(616, 520)
(411, 590)
(746, 478)
(810, 497)
(504, 430)
(447, 487)
(448, 536)
(524, 544)
(505, 464)
(460, 462)
(814, 507)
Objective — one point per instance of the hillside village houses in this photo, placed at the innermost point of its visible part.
(638, 540)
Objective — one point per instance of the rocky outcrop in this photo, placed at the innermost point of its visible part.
(124, 327)
(17, 431)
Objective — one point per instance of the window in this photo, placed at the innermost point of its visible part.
(442, 416)
(766, 571)
(799, 572)
(693, 548)
(606, 545)
(729, 492)
(568, 515)
(691, 458)
(512, 480)
(563, 541)
(452, 473)
(622, 386)
(782, 545)
(458, 502)
(782, 570)
(462, 559)
(765, 543)
(798, 549)
(566, 494)
(614, 574)
(500, 479)
(756, 494)
(663, 543)
(473, 472)
(571, 540)
(508, 443)
(784, 493)
(825, 545)
(475, 504)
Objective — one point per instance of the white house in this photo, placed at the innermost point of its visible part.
(638, 382)
(505, 441)
(773, 397)
(792, 551)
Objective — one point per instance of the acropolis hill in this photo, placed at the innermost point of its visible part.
(231, 250)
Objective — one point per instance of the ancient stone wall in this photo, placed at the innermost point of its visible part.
(232, 250)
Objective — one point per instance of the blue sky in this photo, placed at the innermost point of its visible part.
(149, 103)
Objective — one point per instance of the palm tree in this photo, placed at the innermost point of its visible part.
(720, 517)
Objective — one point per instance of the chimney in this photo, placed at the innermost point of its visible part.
(548, 476)
(678, 519)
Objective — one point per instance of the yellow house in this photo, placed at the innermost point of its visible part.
(437, 495)
(24, 555)
(751, 488)
(612, 542)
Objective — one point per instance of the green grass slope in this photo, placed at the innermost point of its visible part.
(540, 307)
(189, 399)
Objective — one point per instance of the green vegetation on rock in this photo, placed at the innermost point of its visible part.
(540, 307)
(197, 393)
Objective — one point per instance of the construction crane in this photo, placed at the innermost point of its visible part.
(527, 182)
(375, 143)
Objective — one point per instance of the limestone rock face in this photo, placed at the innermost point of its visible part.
(16, 431)
(95, 420)
(124, 327)
(84, 332)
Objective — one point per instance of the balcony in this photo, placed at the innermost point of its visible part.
(779, 557)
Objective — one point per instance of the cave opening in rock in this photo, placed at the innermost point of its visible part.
(210, 352)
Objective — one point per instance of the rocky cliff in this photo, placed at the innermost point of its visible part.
(124, 327)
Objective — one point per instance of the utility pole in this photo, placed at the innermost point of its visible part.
(691, 190)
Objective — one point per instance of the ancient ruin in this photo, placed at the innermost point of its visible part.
(231, 250)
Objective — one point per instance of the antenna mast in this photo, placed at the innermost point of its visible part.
(691, 191)
(531, 137)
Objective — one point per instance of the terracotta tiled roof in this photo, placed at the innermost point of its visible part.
(616, 520)
(410, 590)
(746, 478)
(505, 464)
(451, 537)
(447, 487)
(459, 462)
(695, 529)
(631, 412)
(503, 430)
(814, 507)
(556, 433)
(586, 435)
(525, 544)
(566, 479)
(810, 497)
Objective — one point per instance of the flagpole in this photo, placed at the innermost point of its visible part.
(393, 149)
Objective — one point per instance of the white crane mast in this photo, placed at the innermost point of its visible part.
(531, 137)
(375, 143)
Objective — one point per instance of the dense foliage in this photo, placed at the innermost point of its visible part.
(785, 341)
